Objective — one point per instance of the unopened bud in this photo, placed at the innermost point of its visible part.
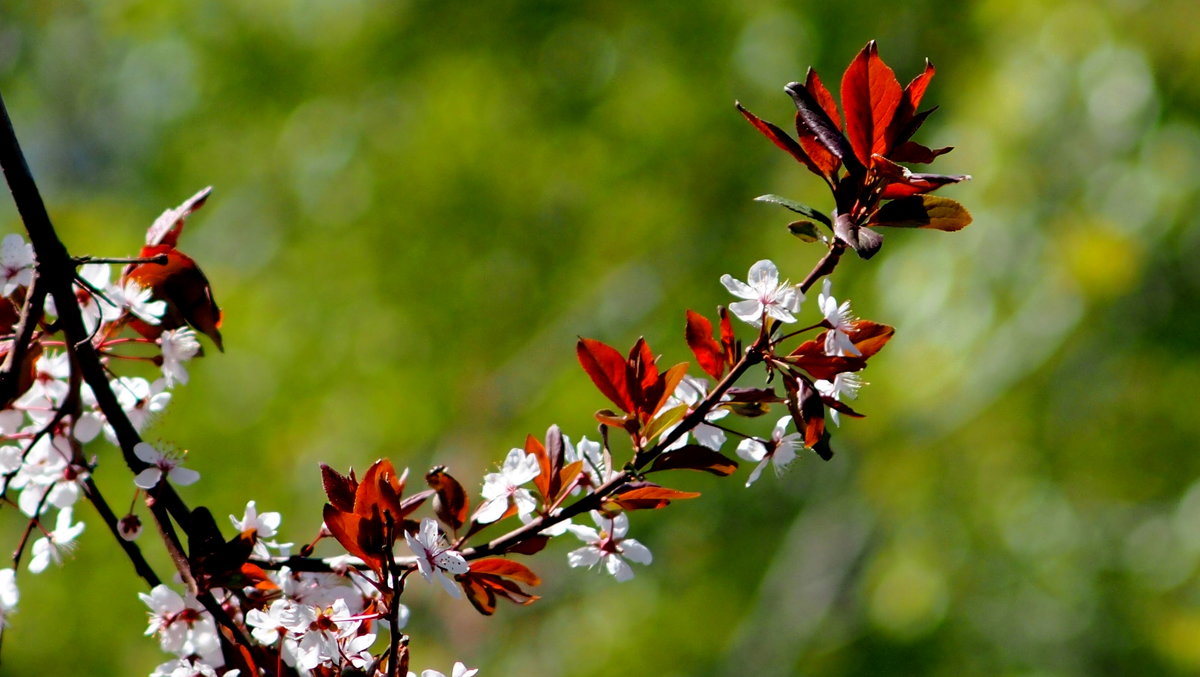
(130, 527)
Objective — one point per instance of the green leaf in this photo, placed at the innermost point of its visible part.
(923, 211)
(665, 420)
(805, 230)
(794, 206)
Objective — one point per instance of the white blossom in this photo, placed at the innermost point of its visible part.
(499, 488)
(162, 464)
(780, 449)
(433, 559)
(839, 319)
(608, 545)
(16, 264)
(50, 548)
(764, 294)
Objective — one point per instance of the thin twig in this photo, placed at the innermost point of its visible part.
(160, 259)
(132, 551)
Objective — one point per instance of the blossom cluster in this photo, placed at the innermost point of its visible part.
(51, 416)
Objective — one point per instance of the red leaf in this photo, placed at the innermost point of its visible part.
(450, 504)
(869, 337)
(810, 356)
(923, 211)
(820, 94)
(870, 96)
(781, 139)
(479, 595)
(728, 341)
(695, 457)
(810, 115)
(606, 367)
(542, 481)
(506, 568)
(812, 408)
(530, 546)
(905, 183)
(709, 354)
(357, 535)
(910, 151)
(641, 372)
(183, 287)
(339, 488)
(906, 121)
(567, 477)
(380, 490)
(825, 160)
(840, 406)
(647, 496)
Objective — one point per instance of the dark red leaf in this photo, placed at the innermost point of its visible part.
(506, 568)
(905, 183)
(864, 241)
(479, 595)
(910, 151)
(709, 354)
(820, 155)
(695, 457)
(360, 537)
(339, 488)
(869, 337)
(647, 496)
(530, 546)
(906, 120)
(728, 340)
(923, 211)
(870, 96)
(450, 504)
(542, 481)
(607, 369)
(812, 408)
(643, 371)
(811, 116)
(840, 406)
(781, 139)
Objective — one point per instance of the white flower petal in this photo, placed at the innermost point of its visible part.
(763, 275)
(148, 478)
(618, 568)
(583, 557)
(636, 552)
(738, 288)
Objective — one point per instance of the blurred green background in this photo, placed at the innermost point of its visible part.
(418, 206)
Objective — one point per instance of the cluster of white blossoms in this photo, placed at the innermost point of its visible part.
(42, 464)
(767, 297)
(309, 619)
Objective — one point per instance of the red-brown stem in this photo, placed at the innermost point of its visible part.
(31, 314)
(825, 266)
(140, 565)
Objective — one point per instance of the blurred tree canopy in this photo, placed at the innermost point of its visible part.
(419, 205)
